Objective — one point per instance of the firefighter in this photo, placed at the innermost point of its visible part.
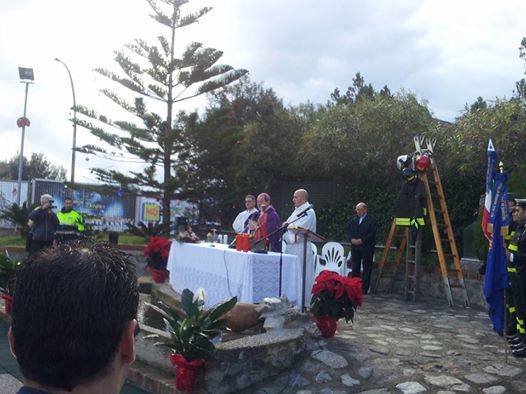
(410, 205)
(71, 223)
(511, 318)
(517, 269)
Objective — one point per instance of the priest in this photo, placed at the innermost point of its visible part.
(268, 223)
(305, 217)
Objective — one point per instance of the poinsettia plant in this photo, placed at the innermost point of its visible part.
(336, 296)
(157, 252)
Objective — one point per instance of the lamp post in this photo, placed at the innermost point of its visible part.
(27, 77)
(74, 121)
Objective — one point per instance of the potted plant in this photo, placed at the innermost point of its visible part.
(157, 252)
(8, 269)
(192, 329)
(334, 297)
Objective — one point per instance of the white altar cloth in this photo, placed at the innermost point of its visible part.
(225, 273)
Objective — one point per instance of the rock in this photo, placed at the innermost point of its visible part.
(365, 372)
(380, 350)
(494, 390)
(503, 370)
(348, 381)
(431, 347)
(323, 377)
(481, 378)
(411, 388)
(330, 359)
(442, 380)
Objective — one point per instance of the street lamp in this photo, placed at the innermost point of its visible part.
(27, 77)
(74, 121)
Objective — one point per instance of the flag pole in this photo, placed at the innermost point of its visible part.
(505, 329)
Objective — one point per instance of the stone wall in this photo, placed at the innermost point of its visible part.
(431, 285)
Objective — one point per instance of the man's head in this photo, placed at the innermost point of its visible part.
(46, 199)
(263, 201)
(519, 212)
(361, 209)
(300, 197)
(250, 201)
(74, 316)
(68, 204)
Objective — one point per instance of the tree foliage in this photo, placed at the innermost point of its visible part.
(153, 73)
(38, 166)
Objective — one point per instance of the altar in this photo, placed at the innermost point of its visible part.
(225, 273)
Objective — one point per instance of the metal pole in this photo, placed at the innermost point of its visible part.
(74, 121)
(21, 156)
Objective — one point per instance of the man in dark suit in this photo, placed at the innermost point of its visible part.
(361, 231)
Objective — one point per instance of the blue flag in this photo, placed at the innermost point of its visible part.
(496, 278)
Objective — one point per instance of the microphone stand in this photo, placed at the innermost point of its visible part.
(301, 215)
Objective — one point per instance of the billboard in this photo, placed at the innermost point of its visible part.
(8, 196)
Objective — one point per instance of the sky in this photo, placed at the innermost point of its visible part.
(446, 52)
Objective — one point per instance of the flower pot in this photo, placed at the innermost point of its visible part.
(185, 371)
(8, 303)
(158, 276)
(327, 325)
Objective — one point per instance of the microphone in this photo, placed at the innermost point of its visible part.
(304, 212)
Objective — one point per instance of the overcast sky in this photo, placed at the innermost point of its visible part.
(446, 52)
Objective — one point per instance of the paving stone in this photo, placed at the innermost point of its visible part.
(379, 349)
(411, 388)
(375, 391)
(442, 380)
(503, 370)
(430, 355)
(494, 390)
(330, 359)
(349, 381)
(431, 347)
(323, 377)
(365, 372)
(481, 378)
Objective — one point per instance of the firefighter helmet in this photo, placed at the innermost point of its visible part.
(403, 161)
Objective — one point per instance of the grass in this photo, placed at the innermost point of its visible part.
(12, 240)
(125, 239)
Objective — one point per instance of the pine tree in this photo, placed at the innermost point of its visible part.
(154, 74)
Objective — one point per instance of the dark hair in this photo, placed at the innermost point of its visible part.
(71, 305)
(68, 198)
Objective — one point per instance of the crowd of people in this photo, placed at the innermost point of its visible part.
(47, 227)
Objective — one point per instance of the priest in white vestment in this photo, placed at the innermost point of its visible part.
(305, 217)
(240, 224)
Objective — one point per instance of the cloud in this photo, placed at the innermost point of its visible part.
(447, 53)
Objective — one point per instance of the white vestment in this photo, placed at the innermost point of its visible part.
(241, 218)
(295, 245)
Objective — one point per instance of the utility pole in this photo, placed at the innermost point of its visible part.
(74, 121)
(27, 77)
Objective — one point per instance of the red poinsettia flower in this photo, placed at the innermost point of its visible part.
(157, 252)
(336, 296)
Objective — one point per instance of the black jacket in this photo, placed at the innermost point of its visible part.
(44, 226)
(366, 231)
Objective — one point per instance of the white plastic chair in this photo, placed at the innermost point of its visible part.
(333, 254)
(348, 263)
(316, 258)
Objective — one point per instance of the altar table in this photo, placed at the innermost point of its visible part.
(225, 273)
